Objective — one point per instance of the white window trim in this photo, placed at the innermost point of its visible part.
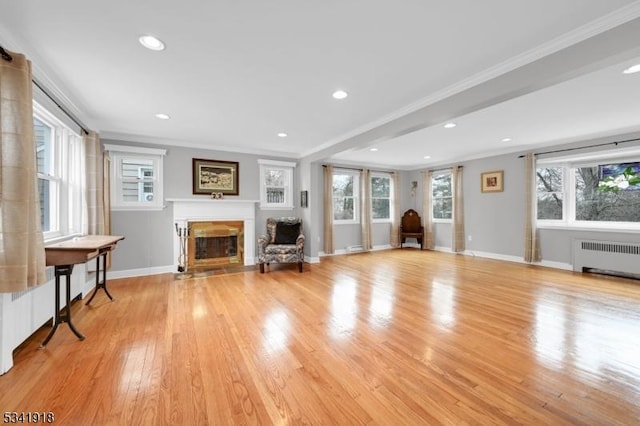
(569, 181)
(67, 223)
(116, 152)
(437, 219)
(288, 167)
(356, 197)
(391, 197)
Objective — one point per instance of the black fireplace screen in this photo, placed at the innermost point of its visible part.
(216, 247)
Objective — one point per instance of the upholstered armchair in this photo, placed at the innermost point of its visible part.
(283, 243)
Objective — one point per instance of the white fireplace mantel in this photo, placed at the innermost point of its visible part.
(200, 209)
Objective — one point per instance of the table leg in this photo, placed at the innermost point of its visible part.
(62, 270)
(100, 284)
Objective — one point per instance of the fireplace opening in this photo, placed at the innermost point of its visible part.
(215, 244)
(212, 247)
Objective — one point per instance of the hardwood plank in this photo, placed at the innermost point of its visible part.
(394, 337)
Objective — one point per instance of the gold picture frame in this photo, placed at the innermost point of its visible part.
(217, 176)
(492, 181)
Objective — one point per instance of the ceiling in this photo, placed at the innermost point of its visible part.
(235, 74)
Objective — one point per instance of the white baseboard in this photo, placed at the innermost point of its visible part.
(516, 259)
(129, 273)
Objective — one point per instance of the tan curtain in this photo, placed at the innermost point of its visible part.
(429, 237)
(365, 208)
(22, 255)
(94, 193)
(457, 221)
(106, 196)
(531, 244)
(328, 209)
(394, 238)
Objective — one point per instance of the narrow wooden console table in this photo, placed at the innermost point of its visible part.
(75, 251)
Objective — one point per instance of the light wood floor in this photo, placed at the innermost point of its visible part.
(399, 337)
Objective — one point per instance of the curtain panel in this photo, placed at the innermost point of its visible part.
(394, 238)
(457, 221)
(94, 193)
(365, 208)
(531, 243)
(328, 209)
(427, 222)
(22, 255)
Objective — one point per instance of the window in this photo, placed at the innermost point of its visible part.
(442, 202)
(550, 190)
(276, 184)
(345, 196)
(587, 195)
(136, 178)
(60, 167)
(380, 198)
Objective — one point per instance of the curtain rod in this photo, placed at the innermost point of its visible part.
(63, 109)
(7, 57)
(358, 170)
(585, 147)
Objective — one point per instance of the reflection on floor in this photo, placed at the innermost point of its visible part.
(220, 270)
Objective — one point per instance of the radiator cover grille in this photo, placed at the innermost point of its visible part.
(613, 256)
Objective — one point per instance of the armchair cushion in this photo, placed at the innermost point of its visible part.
(287, 233)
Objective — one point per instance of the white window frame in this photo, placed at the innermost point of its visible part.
(117, 154)
(356, 196)
(437, 219)
(67, 172)
(285, 166)
(570, 164)
(390, 198)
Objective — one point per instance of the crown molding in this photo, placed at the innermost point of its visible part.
(596, 27)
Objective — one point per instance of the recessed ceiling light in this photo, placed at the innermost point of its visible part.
(162, 116)
(426, 157)
(151, 43)
(632, 69)
(450, 125)
(340, 94)
(282, 135)
(506, 140)
(373, 149)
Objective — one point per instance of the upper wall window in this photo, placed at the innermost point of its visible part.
(442, 201)
(60, 167)
(276, 184)
(345, 196)
(589, 195)
(136, 177)
(381, 197)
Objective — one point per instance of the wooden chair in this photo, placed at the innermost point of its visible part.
(411, 227)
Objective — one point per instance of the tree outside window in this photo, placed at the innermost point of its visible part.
(345, 188)
(442, 196)
(549, 185)
(596, 205)
(380, 197)
(579, 195)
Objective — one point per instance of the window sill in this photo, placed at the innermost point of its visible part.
(575, 227)
(270, 207)
(138, 208)
(351, 222)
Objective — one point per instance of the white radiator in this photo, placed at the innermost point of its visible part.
(614, 257)
(22, 313)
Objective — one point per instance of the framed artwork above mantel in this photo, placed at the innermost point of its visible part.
(215, 176)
